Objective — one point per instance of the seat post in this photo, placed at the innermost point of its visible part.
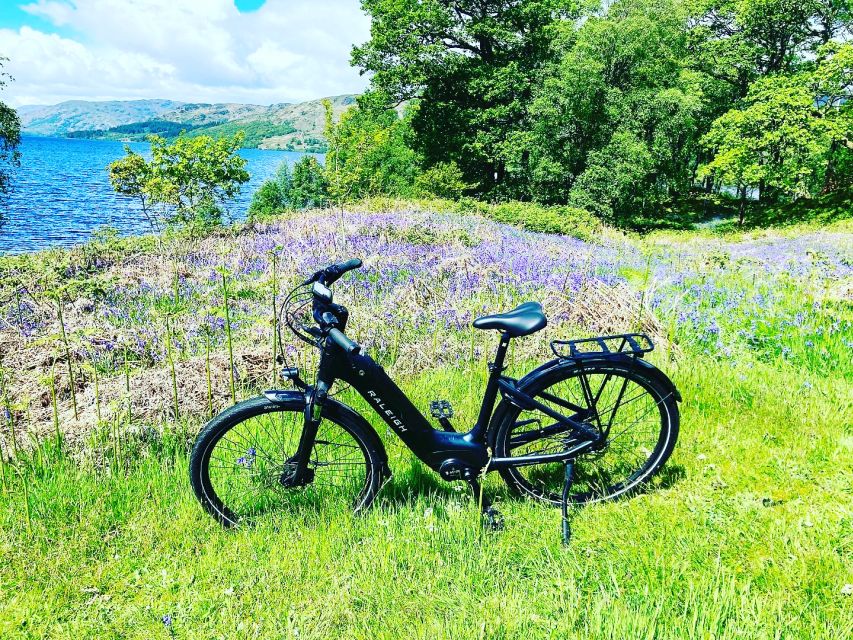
(495, 370)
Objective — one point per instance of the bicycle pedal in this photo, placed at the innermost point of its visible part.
(493, 520)
(441, 409)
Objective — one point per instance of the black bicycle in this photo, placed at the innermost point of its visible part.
(595, 423)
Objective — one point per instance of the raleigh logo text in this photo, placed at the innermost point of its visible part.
(386, 413)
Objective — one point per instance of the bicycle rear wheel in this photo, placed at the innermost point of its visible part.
(242, 459)
(638, 415)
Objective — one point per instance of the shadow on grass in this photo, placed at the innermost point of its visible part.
(406, 487)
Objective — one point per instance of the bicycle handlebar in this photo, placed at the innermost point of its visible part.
(332, 273)
(343, 342)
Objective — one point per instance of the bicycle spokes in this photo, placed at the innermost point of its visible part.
(252, 465)
(624, 414)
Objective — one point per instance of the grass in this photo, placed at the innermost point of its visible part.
(748, 533)
(750, 537)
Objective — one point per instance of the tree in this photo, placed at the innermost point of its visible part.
(10, 137)
(471, 64)
(309, 187)
(197, 176)
(614, 123)
(272, 196)
(190, 179)
(369, 154)
(305, 187)
(131, 176)
(790, 133)
(738, 41)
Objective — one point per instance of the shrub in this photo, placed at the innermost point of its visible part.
(569, 221)
(443, 180)
(305, 187)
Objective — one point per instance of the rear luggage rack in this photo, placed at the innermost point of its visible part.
(630, 344)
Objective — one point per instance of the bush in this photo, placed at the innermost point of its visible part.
(305, 187)
(443, 180)
(569, 221)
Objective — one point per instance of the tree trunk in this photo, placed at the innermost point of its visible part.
(830, 182)
(742, 207)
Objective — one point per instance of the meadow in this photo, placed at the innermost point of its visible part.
(112, 356)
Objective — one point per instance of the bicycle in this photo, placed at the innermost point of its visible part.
(555, 435)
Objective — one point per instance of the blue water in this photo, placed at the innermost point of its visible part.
(61, 193)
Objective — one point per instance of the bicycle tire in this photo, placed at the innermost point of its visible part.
(339, 422)
(548, 485)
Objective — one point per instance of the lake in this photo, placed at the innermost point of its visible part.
(61, 193)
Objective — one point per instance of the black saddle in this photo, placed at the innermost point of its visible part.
(521, 321)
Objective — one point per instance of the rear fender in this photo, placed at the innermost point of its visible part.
(647, 368)
(638, 364)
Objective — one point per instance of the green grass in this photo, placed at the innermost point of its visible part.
(749, 537)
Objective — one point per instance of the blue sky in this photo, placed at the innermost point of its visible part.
(259, 51)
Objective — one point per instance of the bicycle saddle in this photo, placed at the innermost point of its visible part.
(521, 321)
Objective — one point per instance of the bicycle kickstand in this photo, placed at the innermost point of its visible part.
(492, 518)
(567, 485)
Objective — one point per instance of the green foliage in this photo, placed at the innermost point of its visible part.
(309, 187)
(368, 152)
(138, 130)
(271, 197)
(188, 180)
(614, 123)
(625, 113)
(254, 132)
(791, 132)
(442, 180)
(472, 66)
(10, 137)
(304, 187)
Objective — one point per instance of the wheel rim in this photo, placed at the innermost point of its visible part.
(637, 436)
(246, 466)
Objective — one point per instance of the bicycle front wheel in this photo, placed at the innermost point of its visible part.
(637, 415)
(242, 459)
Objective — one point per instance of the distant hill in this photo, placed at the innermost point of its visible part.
(79, 115)
(294, 127)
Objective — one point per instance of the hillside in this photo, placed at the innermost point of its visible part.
(80, 115)
(745, 535)
(293, 127)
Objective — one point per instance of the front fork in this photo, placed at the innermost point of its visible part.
(297, 473)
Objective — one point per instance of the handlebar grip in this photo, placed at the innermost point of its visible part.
(332, 273)
(349, 265)
(343, 342)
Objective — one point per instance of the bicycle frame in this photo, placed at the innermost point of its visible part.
(455, 455)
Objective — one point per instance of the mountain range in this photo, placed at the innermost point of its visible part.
(293, 127)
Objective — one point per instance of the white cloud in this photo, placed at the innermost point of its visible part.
(190, 50)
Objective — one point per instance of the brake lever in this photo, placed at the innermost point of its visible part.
(317, 332)
(317, 275)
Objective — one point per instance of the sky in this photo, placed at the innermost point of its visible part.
(249, 51)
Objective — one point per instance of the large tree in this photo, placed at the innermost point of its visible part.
(614, 124)
(792, 134)
(10, 137)
(739, 41)
(471, 64)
